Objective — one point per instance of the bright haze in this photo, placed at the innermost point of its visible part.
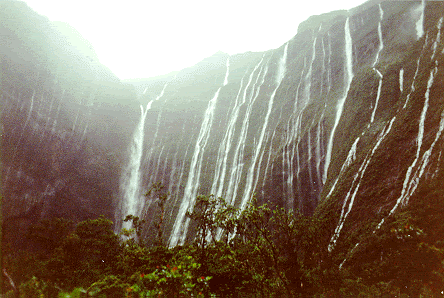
(141, 39)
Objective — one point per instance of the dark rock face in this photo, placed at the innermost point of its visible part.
(64, 134)
(344, 122)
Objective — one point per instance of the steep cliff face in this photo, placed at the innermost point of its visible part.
(63, 129)
(343, 122)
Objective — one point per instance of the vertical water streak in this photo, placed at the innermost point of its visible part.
(410, 184)
(250, 184)
(329, 62)
(156, 172)
(308, 77)
(132, 200)
(236, 167)
(341, 102)
(401, 79)
(378, 95)
(350, 197)
(225, 147)
(182, 172)
(48, 117)
(25, 125)
(131, 203)
(351, 156)
(381, 44)
(381, 47)
(270, 150)
(412, 87)
(228, 72)
(291, 134)
(420, 22)
(73, 129)
(323, 67)
(180, 228)
(159, 116)
(412, 176)
(437, 39)
(318, 148)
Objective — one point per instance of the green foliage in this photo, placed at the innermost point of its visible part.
(36, 287)
(76, 293)
(109, 287)
(176, 280)
(259, 252)
(137, 225)
(399, 253)
(50, 233)
(161, 200)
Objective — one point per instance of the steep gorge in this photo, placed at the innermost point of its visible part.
(343, 122)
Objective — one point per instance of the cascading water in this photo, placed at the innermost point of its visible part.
(381, 47)
(293, 130)
(415, 172)
(130, 185)
(225, 147)
(237, 165)
(351, 156)
(132, 200)
(250, 184)
(180, 228)
(420, 22)
(412, 87)
(341, 102)
(318, 148)
(329, 62)
(401, 79)
(153, 177)
(26, 124)
(294, 125)
(350, 197)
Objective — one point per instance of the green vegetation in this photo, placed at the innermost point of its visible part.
(259, 252)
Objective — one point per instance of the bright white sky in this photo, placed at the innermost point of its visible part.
(141, 39)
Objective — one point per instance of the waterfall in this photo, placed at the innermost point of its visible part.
(401, 79)
(225, 147)
(350, 197)
(250, 184)
(412, 87)
(351, 156)
(308, 76)
(381, 44)
(411, 177)
(378, 95)
(414, 173)
(25, 125)
(294, 128)
(329, 62)
(318, 148)
(180, 228)
(132, 199)
(420, 22)
(228, 72)
(437, 39)
(381, 47)
(323, 67)
(237, 165)
(341, 102)
(293, 131)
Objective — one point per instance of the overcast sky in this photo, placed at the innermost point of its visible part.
(140, 39)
